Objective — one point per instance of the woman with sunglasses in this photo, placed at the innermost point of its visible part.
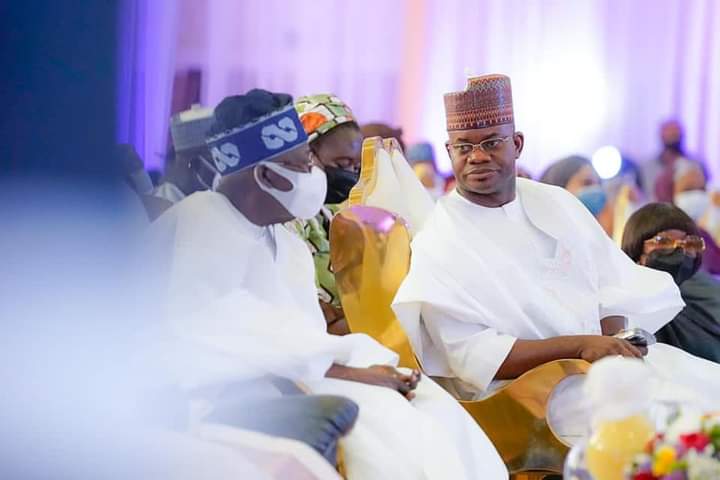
(663, 237)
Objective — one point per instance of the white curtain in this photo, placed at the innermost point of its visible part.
(585, 73)
(302, 48)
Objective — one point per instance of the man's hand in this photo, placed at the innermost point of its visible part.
(335, 319)
(380, 375)
(386, 376)
(528, 354)
(595, 347)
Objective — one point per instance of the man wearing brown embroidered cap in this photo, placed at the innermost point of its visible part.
(483, 117)
(508, 274)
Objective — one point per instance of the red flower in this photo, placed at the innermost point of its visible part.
(644, 476)
(695, 441)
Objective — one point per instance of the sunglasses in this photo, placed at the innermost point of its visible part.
(691, 243)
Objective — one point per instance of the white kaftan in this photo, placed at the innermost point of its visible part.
(538, 267)
(245, 297)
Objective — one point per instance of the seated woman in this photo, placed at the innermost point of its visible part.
(663, 237)
(336, 141)
(691, 196)
(577, 175)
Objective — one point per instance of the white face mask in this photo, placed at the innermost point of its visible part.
(305, 199)
(693, 202)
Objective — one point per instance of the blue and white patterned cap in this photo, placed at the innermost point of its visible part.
(263, 139)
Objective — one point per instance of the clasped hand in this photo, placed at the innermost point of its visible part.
(380, 375)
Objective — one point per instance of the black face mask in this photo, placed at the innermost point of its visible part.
(677, 264)
(340, 182)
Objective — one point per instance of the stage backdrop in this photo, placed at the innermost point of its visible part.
(585, 73)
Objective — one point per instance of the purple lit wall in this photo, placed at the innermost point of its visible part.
(148, 38)
(585, 73)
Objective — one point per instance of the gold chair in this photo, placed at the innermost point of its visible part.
(387, 181)
(370, 253)
(621, 212)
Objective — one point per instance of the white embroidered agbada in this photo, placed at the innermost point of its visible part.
(245, 297)
(538, 267)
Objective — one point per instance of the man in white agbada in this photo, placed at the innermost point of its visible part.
(241, 281)
(508, 274)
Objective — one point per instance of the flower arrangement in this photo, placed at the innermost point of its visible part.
(682, 453)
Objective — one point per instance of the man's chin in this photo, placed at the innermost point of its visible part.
(483, 188)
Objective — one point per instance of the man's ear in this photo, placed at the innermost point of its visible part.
(261, 175)
(519, 141)
(315, 158)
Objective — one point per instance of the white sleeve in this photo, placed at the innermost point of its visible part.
(473, 351)
(649, 298)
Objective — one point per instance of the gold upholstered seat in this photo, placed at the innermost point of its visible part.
(370, 251)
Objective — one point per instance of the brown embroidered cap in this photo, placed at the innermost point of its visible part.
(485, 102)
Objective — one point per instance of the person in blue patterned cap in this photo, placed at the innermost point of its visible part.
(242, 290)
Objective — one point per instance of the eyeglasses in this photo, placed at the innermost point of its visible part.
(489, 146)
(691, 243)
